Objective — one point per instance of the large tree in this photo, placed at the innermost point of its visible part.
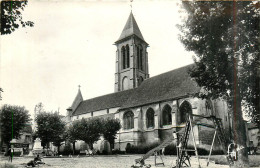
(58, 141)
(110, 128)
(225, 39)
(91, 130)
(13, 120)
(11, 16)
(50, 128)
(73, 133)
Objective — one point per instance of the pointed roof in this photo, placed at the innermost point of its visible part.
(77, 100)
(131, 28)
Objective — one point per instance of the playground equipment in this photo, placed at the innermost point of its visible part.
(183, 159)
(182, 137)
(156, 152)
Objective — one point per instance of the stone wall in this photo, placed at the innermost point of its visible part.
(141, 135)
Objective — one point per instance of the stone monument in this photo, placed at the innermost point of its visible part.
(37, 148)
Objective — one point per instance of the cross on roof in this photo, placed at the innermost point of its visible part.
(131, 4)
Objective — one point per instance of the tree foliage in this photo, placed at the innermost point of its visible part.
(13, 120)
(39, 108)
(225, 38)
(89, 130)
(58, 141)
(73, 133)
(11, 16)
(110, 128)
(1, 90)
(50, 128)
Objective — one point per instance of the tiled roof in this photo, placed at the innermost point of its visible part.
(103, 102)
(169, 85)
(131, 28)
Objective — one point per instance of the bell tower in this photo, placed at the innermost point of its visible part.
(131, 57)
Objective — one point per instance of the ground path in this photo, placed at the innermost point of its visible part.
(114, 161)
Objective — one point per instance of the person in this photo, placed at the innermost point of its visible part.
(37, 160)
(22, 152)
(11, 153)
(31, 163)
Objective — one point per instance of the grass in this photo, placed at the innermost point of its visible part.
(254, 160)
(6, 165)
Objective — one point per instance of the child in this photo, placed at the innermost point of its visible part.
(37, 160)
(11, 153)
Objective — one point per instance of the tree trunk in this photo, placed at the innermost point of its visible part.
(240, 138)
(7, 147)
(58, 149)
(48, 145)
(239, 129)
(73, 143)
(112, 143)
(90, 146)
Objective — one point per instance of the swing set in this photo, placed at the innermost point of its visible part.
(182, 138)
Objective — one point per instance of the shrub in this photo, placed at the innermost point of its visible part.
(128, 148)
(170, 150)
(217, 152)
(140, 149)
(77, 152)
(67, 150)
(117, 151)
(202, 151)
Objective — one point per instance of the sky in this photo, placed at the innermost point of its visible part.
(72, 43)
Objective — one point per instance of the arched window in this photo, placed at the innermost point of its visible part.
(138, 56)
(141, 58)
(127, 57)
(128, 120)
(185, 109)
(208, 105)
(123, 57)
(125, 83)
(150, 118)
(166, 115)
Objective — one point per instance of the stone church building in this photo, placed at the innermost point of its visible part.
(149, 108)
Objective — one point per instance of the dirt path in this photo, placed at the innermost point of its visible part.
(120, 161)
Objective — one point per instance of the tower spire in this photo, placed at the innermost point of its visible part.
(131, 28)
(131, 57)
(131, 5)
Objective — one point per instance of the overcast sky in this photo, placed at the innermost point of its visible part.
(71, 44)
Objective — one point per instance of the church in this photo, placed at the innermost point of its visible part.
(149, 108)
